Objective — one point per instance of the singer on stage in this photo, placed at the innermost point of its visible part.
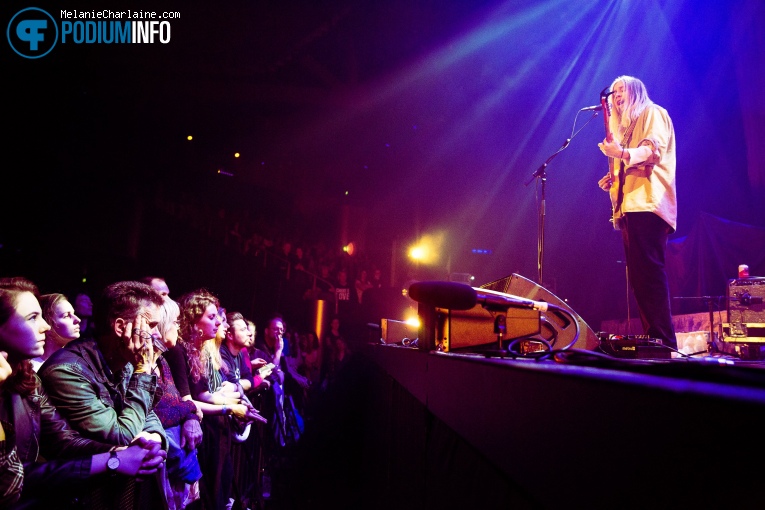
(641, 185)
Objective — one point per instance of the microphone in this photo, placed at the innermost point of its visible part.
(459, 296)
(489, 298)
(451, 295)
(595, 108)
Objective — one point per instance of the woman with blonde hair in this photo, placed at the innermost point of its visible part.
(641, 185)
(179, 416)
(64, 324)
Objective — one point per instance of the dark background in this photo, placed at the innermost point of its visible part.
(411, 119)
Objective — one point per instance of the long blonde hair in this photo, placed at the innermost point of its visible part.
(638, 101)
(168, 309)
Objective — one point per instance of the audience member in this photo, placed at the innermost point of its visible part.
(299, 259)
(340, 356)
(11, 468)
(233, 353)
(180, 419)
(322, 288)
(83, 308)
(201, 323)
(105, 387)
(157, 283)
(58, 463)
(376, 280)
(285, 423)
(64, 325)
(362, 284)
(346, 298)
(328, 349)
(310, 354)
(253, 330)
(237, 370)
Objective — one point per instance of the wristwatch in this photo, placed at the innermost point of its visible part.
(113, 463)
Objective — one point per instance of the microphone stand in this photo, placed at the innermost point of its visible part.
(541, 174)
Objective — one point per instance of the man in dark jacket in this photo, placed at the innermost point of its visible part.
(105, 387)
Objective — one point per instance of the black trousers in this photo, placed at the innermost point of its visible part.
(645, 244)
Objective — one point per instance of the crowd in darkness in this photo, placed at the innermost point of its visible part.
(136, 399)
(277, 255)
(141, 398)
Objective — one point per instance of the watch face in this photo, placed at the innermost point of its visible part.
(113, 462)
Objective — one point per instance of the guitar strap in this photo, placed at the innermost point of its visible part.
(620, 180)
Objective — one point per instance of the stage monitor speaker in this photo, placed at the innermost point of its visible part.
(554, 323)
(479, 328)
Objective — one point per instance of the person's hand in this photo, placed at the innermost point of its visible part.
(153, 461)
(611, 149)
(153, 454)
(246, 413)
(143, 437)
(238, 411)
(227, 387)
(606, 182)
(258, 363)
(254, 415)
(5, 367)
(228, 394)
(265, 371)
(278, 347)
(139, 340)
(229, 400)
(131, 459)
(191, 434)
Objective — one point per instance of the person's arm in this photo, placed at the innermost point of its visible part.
(11, 469)
(83, 398)
(657, 130)
(657, 133)
(301, 380)
(57, 439)
(212, 405)
(65, 475)
(135, 460)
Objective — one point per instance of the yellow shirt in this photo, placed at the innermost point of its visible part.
(649, 183)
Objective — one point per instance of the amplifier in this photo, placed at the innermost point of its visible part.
(745, 301)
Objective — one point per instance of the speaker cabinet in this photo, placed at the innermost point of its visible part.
(745, 301)
(554, 323)
(481, 328)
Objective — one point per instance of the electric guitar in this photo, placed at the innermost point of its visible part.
(609, 138)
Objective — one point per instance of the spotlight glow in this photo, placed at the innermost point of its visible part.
(428, 249)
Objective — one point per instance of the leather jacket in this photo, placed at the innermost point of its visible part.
(108, 407)
(42, 433)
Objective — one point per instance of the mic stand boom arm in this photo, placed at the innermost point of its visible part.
(542, 176)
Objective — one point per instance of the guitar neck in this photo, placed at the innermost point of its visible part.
(606, 116)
